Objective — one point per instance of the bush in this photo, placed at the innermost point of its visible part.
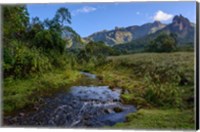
(49, 40)
(20, 61)
(163, 43)
(163, 95)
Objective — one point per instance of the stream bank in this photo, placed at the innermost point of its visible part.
(81, 106)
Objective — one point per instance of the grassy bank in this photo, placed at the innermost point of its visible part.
(153, 82)
(19, 93)
(159, 119)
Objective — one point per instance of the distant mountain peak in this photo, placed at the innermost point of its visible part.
(182, 27)
(181, 22)
(157, 23)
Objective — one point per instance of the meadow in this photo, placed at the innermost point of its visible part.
(161, 85)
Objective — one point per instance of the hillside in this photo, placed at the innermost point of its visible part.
(179, 25)
(123, 35)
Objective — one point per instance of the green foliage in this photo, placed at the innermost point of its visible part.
(49, 40)
(163, 95)
(32, 47)
(63, 16)
(186, 47)
(58, 23)
(152, 78)
(161, 68)
(32, 50)
(16, 93)
(53, 25)
(135, 46)
(163, 43)
(19, 93)
(15, 21)
(159, 119)
(20, 61)
(94, 54)
(133, 99)
(34, 27)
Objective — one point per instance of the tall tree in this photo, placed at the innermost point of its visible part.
(63, 16)
(35, 26)
(15, 22)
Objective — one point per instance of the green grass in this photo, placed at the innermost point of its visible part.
(161, 66)
(159, 119)
(157, 79)
(20, 93)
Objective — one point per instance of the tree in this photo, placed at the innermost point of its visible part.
(63, 16)
(37, 24)
(35, 46)
(59, 22)
(34, 27)
(49, 40)
(52, 25)
(163, 43)
(15, 22)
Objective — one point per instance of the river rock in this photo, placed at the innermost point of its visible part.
(118, 109)
(108, 111)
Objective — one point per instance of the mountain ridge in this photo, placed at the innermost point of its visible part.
(180, 25)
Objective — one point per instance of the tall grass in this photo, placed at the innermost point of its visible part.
(159, 79)
(159, 119)
(19, 93)
(160, 85)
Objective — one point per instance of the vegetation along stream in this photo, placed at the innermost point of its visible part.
(135, 77)
(81, 106)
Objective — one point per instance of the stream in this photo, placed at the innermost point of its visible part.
(81, 106)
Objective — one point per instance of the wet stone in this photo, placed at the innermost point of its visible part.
(117, 109)
(108, 111)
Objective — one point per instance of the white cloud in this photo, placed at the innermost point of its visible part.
(162, 16)
(85, 9)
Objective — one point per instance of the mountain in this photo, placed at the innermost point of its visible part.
(124, 35)
(73, 39)
(180, 26)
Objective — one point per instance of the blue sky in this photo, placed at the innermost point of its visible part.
(88, 18)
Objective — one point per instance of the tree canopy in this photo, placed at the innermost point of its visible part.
(15, 22)
(163, 43)
(32, 46)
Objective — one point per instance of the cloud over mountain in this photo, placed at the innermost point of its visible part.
(162, 16)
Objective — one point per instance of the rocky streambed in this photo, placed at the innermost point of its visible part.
(81, 106)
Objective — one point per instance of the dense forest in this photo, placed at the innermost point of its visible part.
(157, 74)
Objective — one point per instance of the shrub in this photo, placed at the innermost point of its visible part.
(49, 40)
(163, 95)
(20, 61)
(163, 43)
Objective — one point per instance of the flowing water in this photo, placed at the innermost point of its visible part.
(81, 106)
